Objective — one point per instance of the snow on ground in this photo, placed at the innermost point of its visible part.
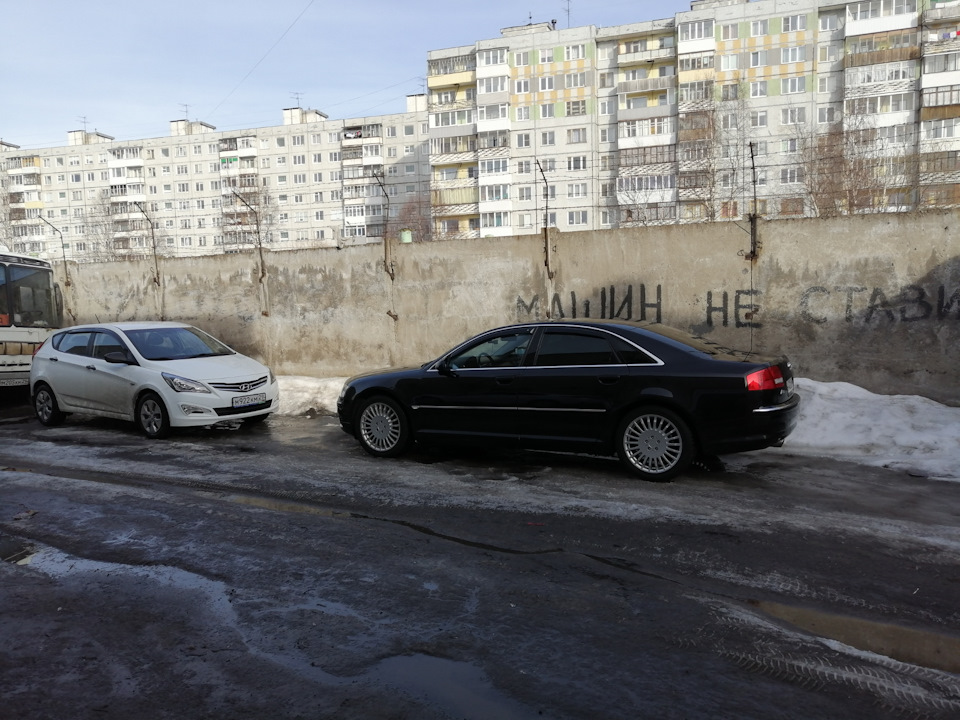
(837, 420)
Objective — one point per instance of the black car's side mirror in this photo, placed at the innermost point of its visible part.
(120, 358)
(445, 368)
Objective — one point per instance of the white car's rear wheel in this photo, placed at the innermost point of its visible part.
(45, 406)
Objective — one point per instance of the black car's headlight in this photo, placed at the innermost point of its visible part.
(182, 384)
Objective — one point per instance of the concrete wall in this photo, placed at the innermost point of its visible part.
(871, 300)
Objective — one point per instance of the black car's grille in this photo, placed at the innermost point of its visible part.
(245, 409)
(241, 387)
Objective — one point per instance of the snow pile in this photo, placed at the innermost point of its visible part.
(837, 420)
(901, 432)
(301, 395)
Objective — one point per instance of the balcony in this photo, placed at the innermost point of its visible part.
(647, 85)
(644, 56)
(942, 11)
(645, 113)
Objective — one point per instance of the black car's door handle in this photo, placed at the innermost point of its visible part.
(504, 380)
(609, 380)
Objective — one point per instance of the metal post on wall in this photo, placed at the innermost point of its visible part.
(547, 250)
(63, 250)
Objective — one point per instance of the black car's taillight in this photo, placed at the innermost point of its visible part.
(770, 378)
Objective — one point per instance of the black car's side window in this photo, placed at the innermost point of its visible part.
(631, 354)
(75, 343)
(499, 351)
(568, 348)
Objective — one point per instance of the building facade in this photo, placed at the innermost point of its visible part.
(771, 108)
(310, 182)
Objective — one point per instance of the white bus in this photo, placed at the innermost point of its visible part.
(31, 308)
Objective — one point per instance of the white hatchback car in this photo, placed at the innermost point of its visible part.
(157, 374)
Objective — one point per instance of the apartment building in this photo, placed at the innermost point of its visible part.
(779, 108)
(775, 108)
(310, 182)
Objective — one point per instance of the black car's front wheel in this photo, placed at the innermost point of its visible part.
(382, 428)
(655, 443)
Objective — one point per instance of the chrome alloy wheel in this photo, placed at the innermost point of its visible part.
(653, 443)
(380, 426)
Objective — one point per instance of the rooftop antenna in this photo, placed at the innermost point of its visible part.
(529, 18)
(186, 111)
(296, 96)
(83, 119)
(567, 4)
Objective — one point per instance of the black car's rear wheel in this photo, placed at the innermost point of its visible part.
(45, 406)
(655, 443)
(382, 428)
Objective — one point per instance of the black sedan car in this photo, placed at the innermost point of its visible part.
(657, 397)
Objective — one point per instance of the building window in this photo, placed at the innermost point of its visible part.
(794, 23)
(576, 107)
(791, 175)
(793, 85)
(699, 30)
(759, 27)
(523, 140)
(758, 88)
(793, 116)
(577, 217)
(495, 219)
(574, 52)
(795, 54)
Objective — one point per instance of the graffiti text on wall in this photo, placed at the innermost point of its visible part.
(740, 308)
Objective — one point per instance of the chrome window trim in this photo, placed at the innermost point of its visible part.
(545, 326)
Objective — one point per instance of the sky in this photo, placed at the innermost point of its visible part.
(127, 68)
(905, 433)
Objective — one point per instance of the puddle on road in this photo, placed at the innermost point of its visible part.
(917, 647)
(268, 503)
(14, 551)
(459, 689)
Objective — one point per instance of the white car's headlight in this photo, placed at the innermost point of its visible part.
(182, 384)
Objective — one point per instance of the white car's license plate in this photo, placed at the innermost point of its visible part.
(245, 400)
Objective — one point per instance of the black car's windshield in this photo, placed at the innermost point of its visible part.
(175, 343)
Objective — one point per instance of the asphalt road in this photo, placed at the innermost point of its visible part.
(279, 572)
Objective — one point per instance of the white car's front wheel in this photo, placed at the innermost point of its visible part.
(152, 417)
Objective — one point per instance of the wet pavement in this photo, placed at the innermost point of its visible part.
(279, 572)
